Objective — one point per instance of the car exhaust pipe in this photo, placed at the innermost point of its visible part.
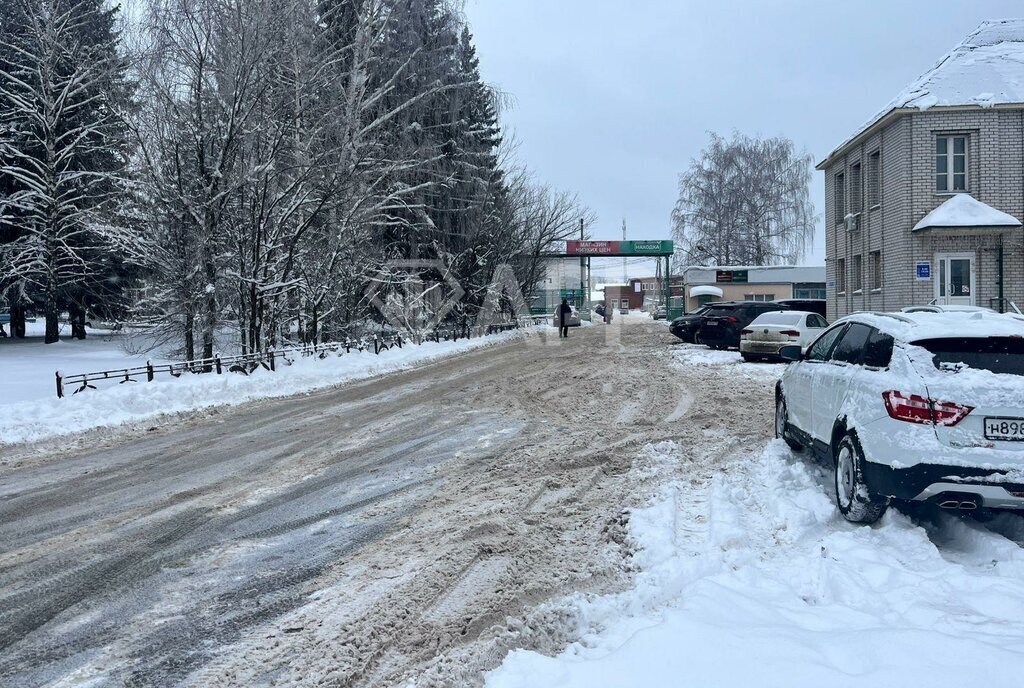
(959, 504)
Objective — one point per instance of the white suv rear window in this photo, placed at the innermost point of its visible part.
(1004, 355)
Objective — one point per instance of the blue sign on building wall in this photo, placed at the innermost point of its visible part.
(924, 271)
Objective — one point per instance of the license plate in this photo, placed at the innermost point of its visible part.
(710, 322)
(1010, 429)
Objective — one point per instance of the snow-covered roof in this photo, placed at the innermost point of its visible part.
(706, 290)
(985, 69)
(911, 327)
(757, 274)
(963, 210)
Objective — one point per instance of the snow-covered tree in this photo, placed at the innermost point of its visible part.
(289, 151)
(63, 152)
(745, 201)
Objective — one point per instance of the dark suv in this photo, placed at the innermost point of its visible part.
(685, 327)
(809, 305)
(721, 324)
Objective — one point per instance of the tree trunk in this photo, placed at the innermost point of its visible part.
(210, 314)
(190, 337)
(18, 322)
(314, 324)
(76, 317)
(52, 312)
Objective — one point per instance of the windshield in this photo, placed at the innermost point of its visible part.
(778, 318)
(1004, 355)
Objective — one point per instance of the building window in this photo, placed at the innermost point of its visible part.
(855, 189)
(841, 276)
(875, 266)
(951, 163)
(875, 179)
(840, 197)
(858, 273)
(759, 297)
(809, 290)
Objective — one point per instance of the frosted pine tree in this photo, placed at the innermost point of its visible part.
(62, 96)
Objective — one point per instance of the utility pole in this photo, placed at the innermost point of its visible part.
(584, 295)
(625, 274)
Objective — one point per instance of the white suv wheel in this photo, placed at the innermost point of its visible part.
(853, 496)
(845, 477)
(781, 423)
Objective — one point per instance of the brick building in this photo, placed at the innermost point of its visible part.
(619, 296)
(641, 292)
(923, 203)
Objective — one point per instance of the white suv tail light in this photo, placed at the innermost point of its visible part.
(914, 408)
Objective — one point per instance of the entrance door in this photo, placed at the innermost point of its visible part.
(954, 283)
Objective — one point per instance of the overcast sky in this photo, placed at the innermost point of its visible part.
(614, 98)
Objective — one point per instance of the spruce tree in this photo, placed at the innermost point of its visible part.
(63, 91)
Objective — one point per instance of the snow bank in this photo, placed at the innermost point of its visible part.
(27, 365)
(753, 579)
(699, 355)
(113, 404)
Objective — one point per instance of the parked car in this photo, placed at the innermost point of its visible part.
(572, 321)
(721, 325)
(659, 313)
(941, 308)
(927, 407)
(685, 327)
(769, 332)
(809, 305)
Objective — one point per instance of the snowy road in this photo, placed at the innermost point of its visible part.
(358, 536)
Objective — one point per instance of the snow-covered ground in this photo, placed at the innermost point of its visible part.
(27, 366)
(752, 578)
(728, 362)
(30, 411)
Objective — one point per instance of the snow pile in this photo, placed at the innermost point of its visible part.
(753, 578)
(113, 404)
(699, 355)
(911, 327)
(963, 210)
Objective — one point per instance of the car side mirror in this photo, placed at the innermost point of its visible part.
(791, 353)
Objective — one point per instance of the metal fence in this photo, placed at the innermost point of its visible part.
(270, 359)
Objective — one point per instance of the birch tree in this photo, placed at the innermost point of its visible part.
(745, 201)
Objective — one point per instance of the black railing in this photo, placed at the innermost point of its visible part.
(270, 359)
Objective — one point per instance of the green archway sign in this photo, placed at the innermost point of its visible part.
(636, 248)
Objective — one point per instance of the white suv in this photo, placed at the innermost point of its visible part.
(911, 406)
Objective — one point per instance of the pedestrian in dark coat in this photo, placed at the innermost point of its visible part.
(564, 311)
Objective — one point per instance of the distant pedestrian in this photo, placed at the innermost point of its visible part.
(564, 311)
